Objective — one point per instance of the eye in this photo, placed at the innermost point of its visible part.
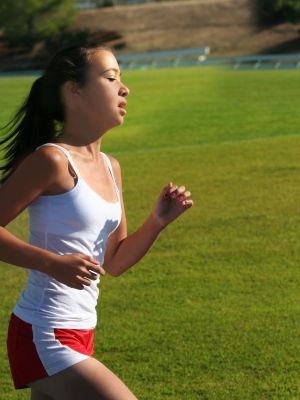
(111, 79)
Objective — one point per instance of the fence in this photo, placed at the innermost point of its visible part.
(272, 61)
(160, 59)
(192, 57)
(199, 57)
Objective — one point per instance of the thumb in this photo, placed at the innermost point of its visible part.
(91, 259)
(94, 261)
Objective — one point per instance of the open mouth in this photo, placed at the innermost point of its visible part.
(122, 106)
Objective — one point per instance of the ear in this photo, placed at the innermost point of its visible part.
(70, 90)
(71, 87)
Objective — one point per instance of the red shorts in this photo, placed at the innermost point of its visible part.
(35, 352)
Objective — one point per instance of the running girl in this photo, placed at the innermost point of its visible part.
(78, 230)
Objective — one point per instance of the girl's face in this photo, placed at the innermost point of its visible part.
(102, 97)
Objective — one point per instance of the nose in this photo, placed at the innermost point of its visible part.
(124, 91)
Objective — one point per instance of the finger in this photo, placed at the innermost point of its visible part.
(183, 196)
(181, 190)
(77, 285)
(93, 275)
(178, 192)
(94, 268)
(89, 258)
(94, 261)
(83, 281)
(90, 275)
(166, 191)
(83, 256)
(173, 191)
(187, 203)
(88, 272)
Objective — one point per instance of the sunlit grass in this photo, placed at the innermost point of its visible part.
(212, 312)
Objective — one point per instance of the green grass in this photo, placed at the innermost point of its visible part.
(213, 311)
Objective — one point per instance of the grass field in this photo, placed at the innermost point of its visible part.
(213, 311)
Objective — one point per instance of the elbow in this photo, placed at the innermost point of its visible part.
(115, 273)
(112, 271)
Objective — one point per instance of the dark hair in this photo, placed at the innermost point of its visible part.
(36, 121)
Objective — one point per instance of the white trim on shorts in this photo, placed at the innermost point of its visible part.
(54, 356)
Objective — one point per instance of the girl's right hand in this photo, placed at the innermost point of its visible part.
(74, 270)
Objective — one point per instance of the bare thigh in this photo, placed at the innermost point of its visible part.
(88, 380)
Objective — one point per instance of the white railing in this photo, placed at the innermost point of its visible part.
(199, 57)
(162, 58)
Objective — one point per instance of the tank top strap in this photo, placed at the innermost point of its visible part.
(108, 162)
(66, 153)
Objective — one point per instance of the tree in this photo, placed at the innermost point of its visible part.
(26, 22)
(279, 10)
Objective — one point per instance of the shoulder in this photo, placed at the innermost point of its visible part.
(116, 169)
(31, 178)
(114, 162)
(47, 163)
(48, 157)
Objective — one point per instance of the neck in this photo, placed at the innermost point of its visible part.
(83, 140)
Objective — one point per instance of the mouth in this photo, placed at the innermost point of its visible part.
(122, 106)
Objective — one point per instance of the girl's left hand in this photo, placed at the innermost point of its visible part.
(172, 202)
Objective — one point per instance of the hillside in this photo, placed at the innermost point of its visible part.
(226, 26)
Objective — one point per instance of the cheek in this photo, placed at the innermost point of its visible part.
(92, 101)
(99, 98)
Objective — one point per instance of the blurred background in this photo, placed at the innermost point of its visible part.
(31, 31)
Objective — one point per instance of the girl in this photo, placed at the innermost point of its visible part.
(77, 224)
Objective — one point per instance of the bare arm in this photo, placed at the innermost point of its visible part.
(35, 175)
(124, 251)
(134, 247)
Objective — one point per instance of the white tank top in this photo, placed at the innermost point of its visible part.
(77, 221)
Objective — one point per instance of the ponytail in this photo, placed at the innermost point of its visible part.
(29, 128)
(36, 121)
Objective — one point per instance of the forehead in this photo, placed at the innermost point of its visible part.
(103, 61)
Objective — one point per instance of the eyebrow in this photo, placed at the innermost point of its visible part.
(113, 69)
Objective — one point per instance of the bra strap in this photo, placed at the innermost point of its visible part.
(66, 153)
(108, 162)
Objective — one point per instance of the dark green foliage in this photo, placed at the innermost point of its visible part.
(26, 22)
(279, 10)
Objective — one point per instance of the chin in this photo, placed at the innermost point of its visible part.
(115, 123)
(119, 121)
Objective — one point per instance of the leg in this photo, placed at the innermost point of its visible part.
(35, 395)
(88, 379)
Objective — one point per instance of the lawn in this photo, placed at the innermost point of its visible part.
(213, 310)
